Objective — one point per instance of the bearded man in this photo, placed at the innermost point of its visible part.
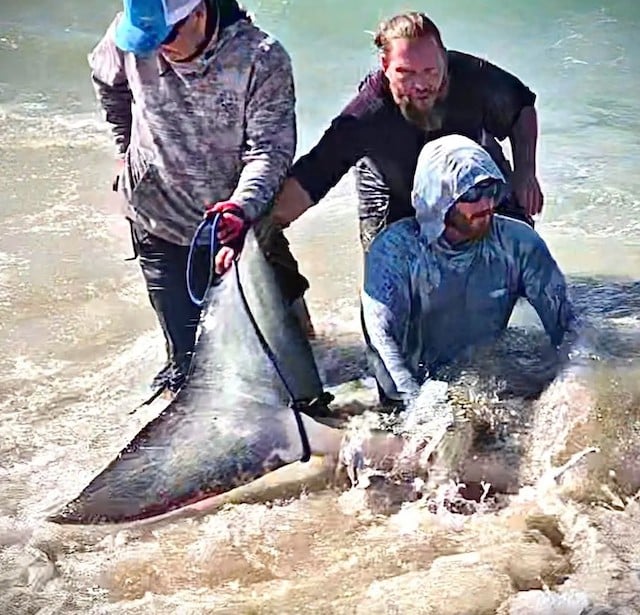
(449, 277)
(420, 92)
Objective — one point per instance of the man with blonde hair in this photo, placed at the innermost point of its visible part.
(421, 91)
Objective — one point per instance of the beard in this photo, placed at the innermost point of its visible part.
(427, 118)
(469, 230)
(427, 114)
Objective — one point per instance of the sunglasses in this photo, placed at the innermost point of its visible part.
(175, 30)
(490, 189)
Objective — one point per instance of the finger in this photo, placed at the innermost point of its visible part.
(228, 232)
(219, 262)
(228, 259)
(531, 204)
(539, 200)
(228, 236)
(224, 258)
(229, 229)
(526, 201)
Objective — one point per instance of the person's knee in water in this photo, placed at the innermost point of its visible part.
(450, 277)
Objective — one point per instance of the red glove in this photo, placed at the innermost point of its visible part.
(232, 225)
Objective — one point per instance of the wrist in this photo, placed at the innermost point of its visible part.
(226, 207)
(524, 168)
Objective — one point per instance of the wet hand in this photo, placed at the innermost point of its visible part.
(527, 189)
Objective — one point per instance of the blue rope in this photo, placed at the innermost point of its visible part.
(212, 223)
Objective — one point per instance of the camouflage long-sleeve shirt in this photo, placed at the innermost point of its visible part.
(221, 127)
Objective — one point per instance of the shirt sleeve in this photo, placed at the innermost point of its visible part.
(111, 86)
(339, 148)
(374, 197)
(386, 300)
(503, 96)
(544, 286)
(270, 132)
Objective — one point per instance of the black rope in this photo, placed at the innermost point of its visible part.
(295, 404)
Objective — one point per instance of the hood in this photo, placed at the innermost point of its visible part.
(447, 168)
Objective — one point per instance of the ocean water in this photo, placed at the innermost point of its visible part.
(79, 340)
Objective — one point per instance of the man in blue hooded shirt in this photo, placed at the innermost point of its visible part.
(450, 277)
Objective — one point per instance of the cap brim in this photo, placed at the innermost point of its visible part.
(137, 41)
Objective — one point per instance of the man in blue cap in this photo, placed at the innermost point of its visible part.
(201, 104)
(146, 26)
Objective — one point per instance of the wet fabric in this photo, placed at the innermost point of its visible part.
(424, 301)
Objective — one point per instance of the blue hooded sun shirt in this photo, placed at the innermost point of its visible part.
(425, 300)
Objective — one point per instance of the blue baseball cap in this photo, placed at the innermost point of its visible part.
(146, 23)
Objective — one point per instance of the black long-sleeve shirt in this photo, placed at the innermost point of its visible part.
(483, 102)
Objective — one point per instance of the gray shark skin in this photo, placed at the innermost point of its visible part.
(231, 422)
